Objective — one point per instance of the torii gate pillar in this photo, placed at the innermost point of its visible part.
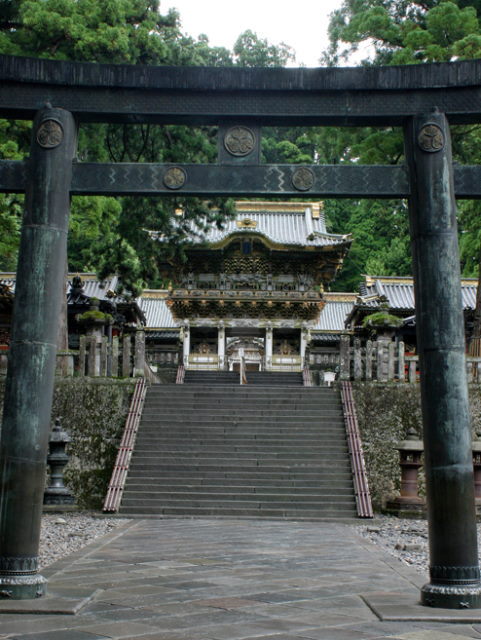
(31, 368)
(454, 569)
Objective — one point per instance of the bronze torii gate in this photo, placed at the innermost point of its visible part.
(421, 99)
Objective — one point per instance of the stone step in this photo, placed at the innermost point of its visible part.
(240, 408)
(306, 417)
(245, 451)
(235, 468)
(256, 458)
(261, 501)
(291, 513)
(261, 402)
(253, 378)
(239, 444)
(234, 386)
(244, 390)
(326, 487)
(285, 434)
(238, 477)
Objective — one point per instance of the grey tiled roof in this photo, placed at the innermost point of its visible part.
(399, 293)
(157, 313)
(92, 288)
(333, 316)
(91, 285)
(291, 228)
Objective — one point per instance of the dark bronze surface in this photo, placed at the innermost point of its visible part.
(455, 581)
(29, 386)
(368, 181)
(349, 96)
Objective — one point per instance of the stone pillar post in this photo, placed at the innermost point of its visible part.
(29, 386)
(139, 353)
(454, 569)
(303, 344)
(115, 357)
(345, 357)
(126, 353)
(221, 345)
(268, 351)
(186, 344)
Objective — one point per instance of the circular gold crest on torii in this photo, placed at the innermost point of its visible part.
(239, 141)
(431, 138)
(174, 178)
(303, 179)
(49, 134)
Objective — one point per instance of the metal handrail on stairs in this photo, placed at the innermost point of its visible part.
(242, 368)
(306, 376)
(121, 468)
(361, 487)
(180, 374)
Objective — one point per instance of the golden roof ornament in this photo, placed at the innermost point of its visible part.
(246, 223)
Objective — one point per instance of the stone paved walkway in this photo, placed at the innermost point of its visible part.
(232, 580)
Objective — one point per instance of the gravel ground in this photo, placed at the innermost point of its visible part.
(62, 534)
(403, 538)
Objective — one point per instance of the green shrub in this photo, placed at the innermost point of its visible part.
(381, 319)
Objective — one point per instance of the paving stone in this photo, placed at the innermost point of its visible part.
(47, 605)
(430, 635)
(226, 603)
(399, 606)
(232, 579)
(63, 634)
(122, 629)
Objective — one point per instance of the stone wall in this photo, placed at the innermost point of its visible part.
(386, 412)
(93, 412)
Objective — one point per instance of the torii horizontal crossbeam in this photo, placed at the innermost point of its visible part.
(362, 181)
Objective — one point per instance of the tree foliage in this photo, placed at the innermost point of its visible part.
(392, 32)
(113, 234)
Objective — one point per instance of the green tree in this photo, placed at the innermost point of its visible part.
(252, 51)
(404, 32)
(102, 236)
(114, 234)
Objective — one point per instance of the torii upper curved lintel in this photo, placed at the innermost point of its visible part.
(210, 95)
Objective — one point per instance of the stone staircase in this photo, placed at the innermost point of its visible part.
(265, 378)
(230, 450)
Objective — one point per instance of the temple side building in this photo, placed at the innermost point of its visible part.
(395, 296)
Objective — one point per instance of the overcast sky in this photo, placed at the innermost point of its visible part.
(301, 24)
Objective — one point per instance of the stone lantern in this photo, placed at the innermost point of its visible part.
(408, 503)
(57, 493)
